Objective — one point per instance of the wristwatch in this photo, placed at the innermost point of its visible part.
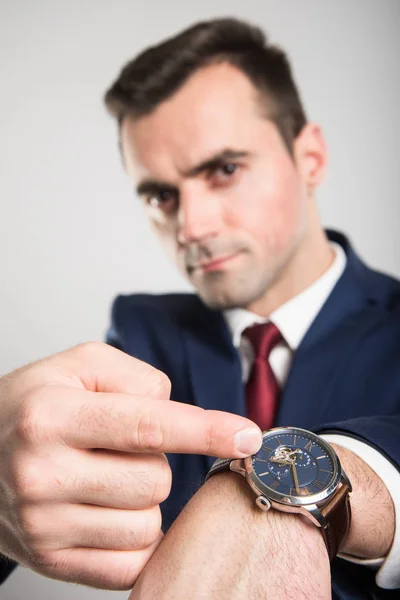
(296, 471)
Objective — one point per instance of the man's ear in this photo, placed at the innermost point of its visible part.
(310, 155)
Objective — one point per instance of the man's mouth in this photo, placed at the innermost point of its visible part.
(215, 264)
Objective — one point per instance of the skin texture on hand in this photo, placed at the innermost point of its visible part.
(83, 470)
(223, 547)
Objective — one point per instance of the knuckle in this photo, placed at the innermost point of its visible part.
(209, 436)
(28, 480)
(160, 482)
(148, 434)
(151, 527)
(33, 425)
(142, 534)
(124, 578)
(31, 523)
(90, 348)
(40, 557)
(153, 481)
(146, 487)
(47, 561)
(28, 425)
(160, 384)
(164, 481)
(126, 572)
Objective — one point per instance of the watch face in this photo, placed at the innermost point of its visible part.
(294, 466)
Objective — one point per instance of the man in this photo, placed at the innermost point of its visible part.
(215, 139)
(214, 136)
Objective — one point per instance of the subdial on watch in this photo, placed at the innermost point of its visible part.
(279, 470)
(306, 468)
(304, 459)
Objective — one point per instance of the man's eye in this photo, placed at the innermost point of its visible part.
(164, 200)
(224, 172)
(228, 169)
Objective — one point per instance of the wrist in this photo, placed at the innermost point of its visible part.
(230, 496)
(295, 471)
(373, 517)
(281, 542)
(223, 546)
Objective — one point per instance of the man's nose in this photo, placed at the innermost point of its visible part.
(199, 217)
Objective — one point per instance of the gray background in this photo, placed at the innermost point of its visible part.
(72, 233)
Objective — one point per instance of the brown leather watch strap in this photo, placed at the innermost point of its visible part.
(338, 515)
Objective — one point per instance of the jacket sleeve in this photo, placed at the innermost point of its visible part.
(7, 566)
(382, 433)
(113, 336)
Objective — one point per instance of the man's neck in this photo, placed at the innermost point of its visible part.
(311, 259)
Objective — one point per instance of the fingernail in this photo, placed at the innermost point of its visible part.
(248, 441)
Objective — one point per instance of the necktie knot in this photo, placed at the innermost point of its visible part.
(263, 337)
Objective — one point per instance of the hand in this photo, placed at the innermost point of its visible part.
(82, 472)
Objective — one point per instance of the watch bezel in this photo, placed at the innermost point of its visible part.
(261, 489)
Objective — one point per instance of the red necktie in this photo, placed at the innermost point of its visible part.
(262, 389)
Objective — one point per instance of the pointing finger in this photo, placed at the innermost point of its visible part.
(137, 424)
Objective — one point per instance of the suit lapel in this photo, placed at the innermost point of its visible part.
(329, 344)
(316, 370)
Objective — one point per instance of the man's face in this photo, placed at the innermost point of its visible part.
(223, 194)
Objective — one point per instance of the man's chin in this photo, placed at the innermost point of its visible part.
(223, 299)
(223, 290)
(224, 293)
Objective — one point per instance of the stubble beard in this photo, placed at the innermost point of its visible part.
(222, 291)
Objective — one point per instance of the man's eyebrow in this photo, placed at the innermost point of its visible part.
(151, 186)
(214, 161)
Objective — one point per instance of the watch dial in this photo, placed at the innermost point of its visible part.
(293, 463)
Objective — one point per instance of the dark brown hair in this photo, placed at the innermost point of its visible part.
(158, 72)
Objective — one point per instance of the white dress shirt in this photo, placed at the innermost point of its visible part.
(293, 319)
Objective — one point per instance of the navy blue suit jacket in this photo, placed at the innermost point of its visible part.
(345, 376)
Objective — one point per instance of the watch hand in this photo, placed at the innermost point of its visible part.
(295, 479)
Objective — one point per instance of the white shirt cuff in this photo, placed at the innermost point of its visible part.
(388, 575)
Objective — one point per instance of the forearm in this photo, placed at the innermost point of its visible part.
(373, 519)
(223, 547)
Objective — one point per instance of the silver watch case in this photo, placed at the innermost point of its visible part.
(307, 505)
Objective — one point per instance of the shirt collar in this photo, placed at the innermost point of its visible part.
(295, 316)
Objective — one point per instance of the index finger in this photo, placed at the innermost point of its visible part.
(131, 423)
